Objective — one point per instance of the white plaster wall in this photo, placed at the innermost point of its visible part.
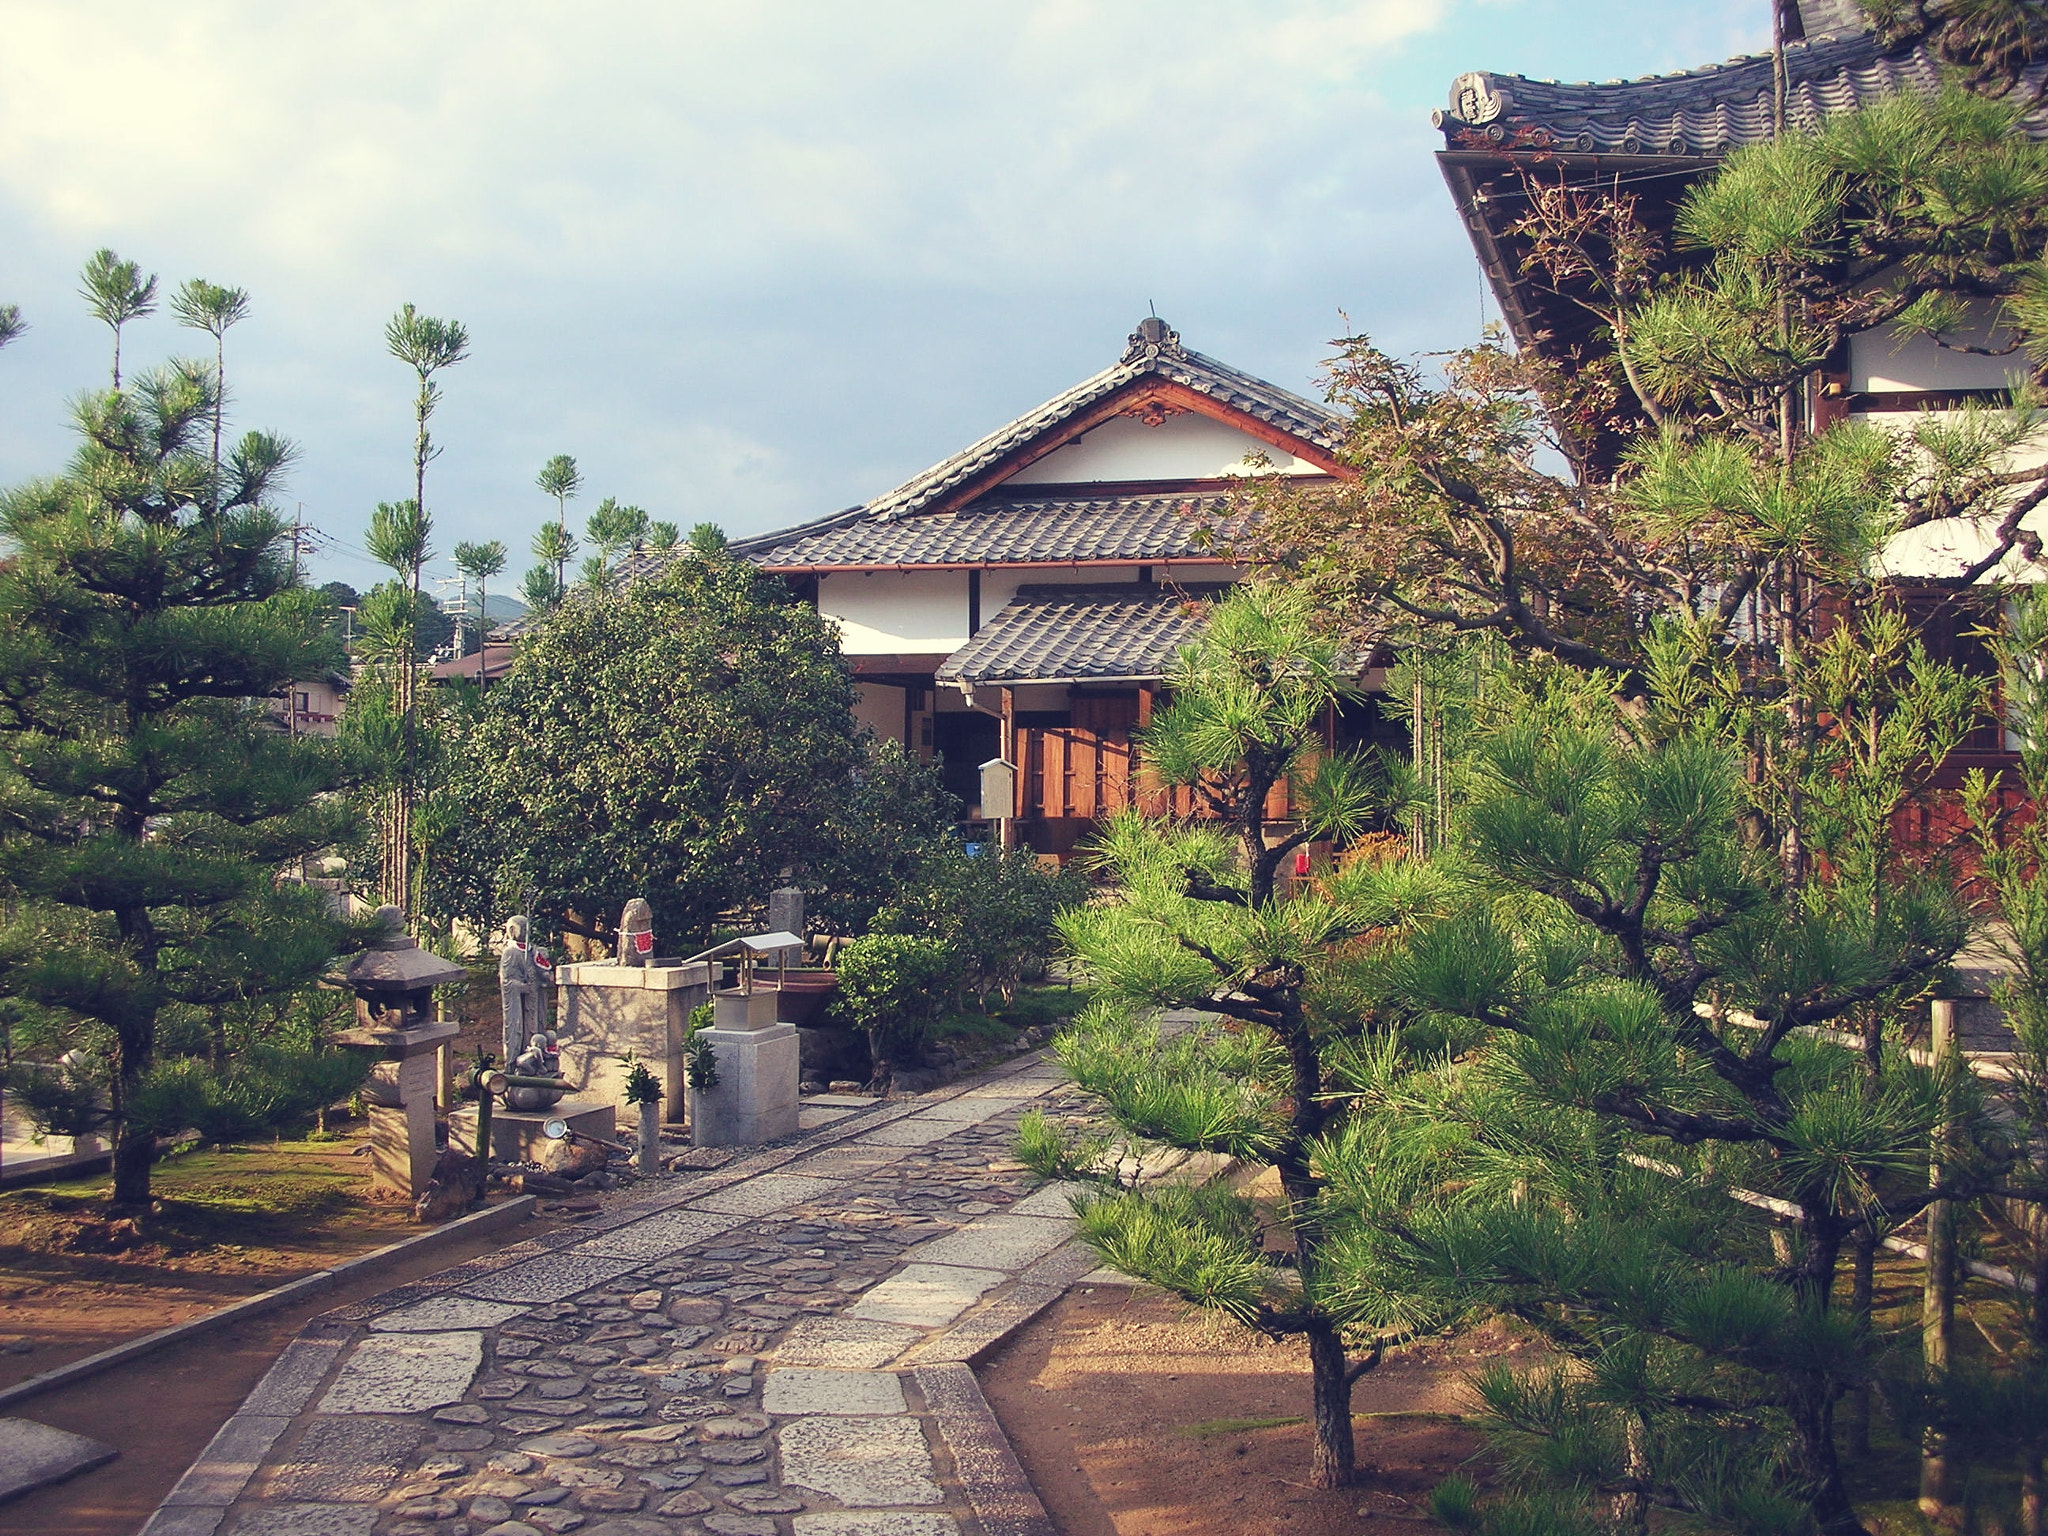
(1882, 360)
(879, 707)
(894, 611)
(1187, 447)
(1951, 547)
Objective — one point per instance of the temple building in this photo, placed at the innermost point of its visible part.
(1022, 598)
(1653, 139)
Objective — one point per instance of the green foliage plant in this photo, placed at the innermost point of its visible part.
(893, 986)
(642, 1086)
(1199, 918)
(994, 911)
(147, 801)
(700, 1057)
(1635, 988)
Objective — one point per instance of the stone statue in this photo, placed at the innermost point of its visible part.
(636, 934)
(520, 990)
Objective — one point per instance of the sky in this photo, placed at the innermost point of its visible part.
(752, 262)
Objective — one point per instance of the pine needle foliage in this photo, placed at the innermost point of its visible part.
(1200, 918)
(147, 606)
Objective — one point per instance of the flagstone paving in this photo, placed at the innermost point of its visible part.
(759, 1351)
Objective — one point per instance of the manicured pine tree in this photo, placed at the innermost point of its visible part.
(1202, 918)
(147, 802)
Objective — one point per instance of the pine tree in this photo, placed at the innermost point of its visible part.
(147, 608)
(1202, 918)
(1637, 984)
(480, 562)
(117, 292)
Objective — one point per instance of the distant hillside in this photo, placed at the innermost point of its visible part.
(498, 606)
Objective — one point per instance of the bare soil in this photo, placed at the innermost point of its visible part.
(1135, 1416)
(161, 1410)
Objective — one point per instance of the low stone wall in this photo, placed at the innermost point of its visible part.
(602, 1011)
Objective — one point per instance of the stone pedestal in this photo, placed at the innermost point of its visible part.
(400, 1092)
(603, 1011)
(756, 1098)
(516, 1133)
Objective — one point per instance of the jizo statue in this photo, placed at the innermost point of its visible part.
(522, 990)
(636, 934)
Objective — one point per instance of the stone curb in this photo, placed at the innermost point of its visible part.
(1001, 1496)
(489, 1220)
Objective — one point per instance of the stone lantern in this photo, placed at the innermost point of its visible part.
(393, 982)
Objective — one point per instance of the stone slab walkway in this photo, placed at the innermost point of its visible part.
(777, 1348)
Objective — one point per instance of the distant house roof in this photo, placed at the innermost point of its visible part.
(1116, 632)
(485, 666)
(1076, 522)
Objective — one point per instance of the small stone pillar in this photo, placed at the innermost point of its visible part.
(394, 983)
(756, 1058)
(786, 910)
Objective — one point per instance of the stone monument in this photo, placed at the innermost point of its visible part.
(520, 992)
(394, 983)
(636, 934)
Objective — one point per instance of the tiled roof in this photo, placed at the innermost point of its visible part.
(1696, 113)
(1154, 350)
(1119, 632)
(1001, 531)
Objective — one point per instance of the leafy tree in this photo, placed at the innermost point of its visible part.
(1200, 918)
(895, 815)
(684, 740)
(209, 307)
(117, 292)
(146, 801)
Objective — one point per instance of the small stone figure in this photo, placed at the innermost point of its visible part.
(636, 934)
(539, 1059)
(520, 991)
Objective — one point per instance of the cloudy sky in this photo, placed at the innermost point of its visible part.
(749, 262)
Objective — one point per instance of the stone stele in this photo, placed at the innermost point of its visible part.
(33, 1454)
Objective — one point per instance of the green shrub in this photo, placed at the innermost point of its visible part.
(893, 986)
(996, 911)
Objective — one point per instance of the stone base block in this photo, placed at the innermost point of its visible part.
(756, 1098)
(516, 1133)
(744, 1010)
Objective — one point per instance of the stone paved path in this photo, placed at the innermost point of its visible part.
(778, 1348)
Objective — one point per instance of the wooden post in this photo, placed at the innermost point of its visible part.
(1938, 1290)
(1007, 832)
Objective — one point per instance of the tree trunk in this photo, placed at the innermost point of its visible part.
(2032, 1494)
(1855, 1411)
(134, 1153)
(1938, 1298)
(1333, 1465)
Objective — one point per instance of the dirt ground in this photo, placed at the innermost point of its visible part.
(1135, 1417)
(226, 1225)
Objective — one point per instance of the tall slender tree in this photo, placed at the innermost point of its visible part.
(117, 292)
(480, 562)
(209, 307)
(560, 479)
(398, 537)
(427, 346)
(616, 530)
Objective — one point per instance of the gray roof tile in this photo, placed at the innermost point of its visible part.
(1119, 631)
(1697, 113)
(1006, 531)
